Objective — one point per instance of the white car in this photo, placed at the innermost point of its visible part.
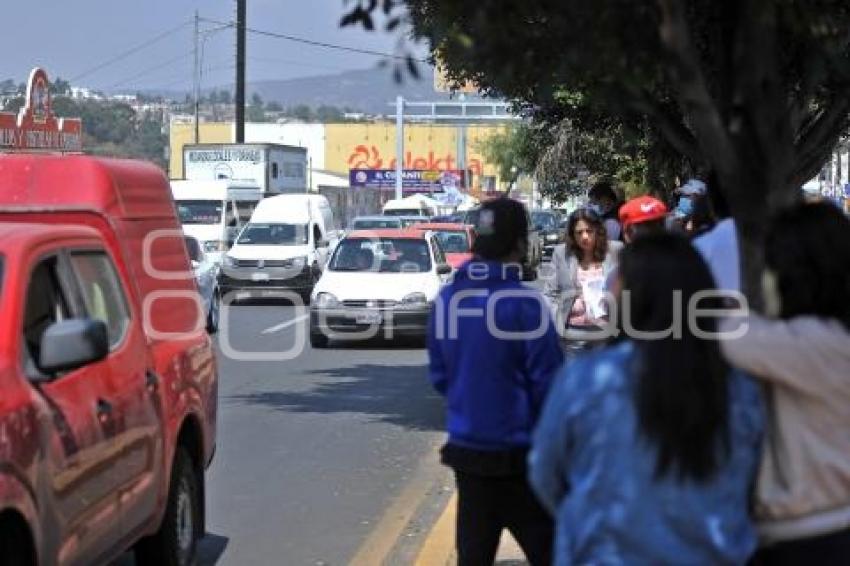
(206, 268)
(378, 283)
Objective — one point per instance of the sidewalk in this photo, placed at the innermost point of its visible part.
(438, 549)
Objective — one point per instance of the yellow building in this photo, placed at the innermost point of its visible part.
(336, 148)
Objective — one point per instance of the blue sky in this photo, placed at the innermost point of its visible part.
(72, 38)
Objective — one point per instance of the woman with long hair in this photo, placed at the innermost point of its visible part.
(647, 448)
(801, 352)
(576, 283)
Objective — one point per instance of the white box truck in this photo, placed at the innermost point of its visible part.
(277, 169)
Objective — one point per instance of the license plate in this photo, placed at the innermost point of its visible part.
(259, 276)
(368, 318)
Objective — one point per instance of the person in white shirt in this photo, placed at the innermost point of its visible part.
(719, 246)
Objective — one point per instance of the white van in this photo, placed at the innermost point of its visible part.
(214, 211)
(283, 247)
(408, 206)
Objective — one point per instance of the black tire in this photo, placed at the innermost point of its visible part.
(15, 544)
(176, 541)
(318, 340)
(215, 313)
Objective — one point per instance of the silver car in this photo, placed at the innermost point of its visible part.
(206, 275)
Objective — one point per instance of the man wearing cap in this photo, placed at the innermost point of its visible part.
(493, 351)
(642, 215)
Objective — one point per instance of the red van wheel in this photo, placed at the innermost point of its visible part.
(176, 542)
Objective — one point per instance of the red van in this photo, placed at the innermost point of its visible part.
(108, 382)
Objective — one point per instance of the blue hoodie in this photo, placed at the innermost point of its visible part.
(495, 385)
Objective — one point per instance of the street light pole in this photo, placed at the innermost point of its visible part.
(197, 79)
(399, 145)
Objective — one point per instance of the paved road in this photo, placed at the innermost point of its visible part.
(312, 451)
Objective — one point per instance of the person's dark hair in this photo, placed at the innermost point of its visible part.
(502, 226)
(648, 228)
(681, 383)
(602, 190)
(808, 247)
(595, 222)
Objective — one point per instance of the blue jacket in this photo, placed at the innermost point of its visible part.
(494, 384)
(596, 476)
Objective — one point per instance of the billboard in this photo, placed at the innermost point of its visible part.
(413, 180)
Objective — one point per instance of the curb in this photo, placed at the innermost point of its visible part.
(439, 546)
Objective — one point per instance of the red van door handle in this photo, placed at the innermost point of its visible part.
(151, 381)
(104, 411)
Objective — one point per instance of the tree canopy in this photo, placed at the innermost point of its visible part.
(758, 91)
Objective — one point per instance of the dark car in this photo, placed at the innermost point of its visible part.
(548, 223)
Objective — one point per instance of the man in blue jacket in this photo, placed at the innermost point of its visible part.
(493, 351)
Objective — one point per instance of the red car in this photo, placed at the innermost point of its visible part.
(108, 382)
(455, 239)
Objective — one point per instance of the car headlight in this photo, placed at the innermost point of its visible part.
(552, 237)
(326, 301)
(296, 262)
(229, 261)
(414, 300)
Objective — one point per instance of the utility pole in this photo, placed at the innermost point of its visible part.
(197, 79)
(240, 70)
(399, 145)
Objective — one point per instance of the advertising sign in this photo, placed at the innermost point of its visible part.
(34, 127)
(413, 180)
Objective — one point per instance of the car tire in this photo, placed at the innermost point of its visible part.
(214, 315)
(176, 541)
(14, 550)
(318, 340)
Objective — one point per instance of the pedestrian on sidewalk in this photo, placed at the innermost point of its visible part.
(801, 352)
(495, 385)
(605, 203)
(642, 216)
(646, 449)
(576, 284)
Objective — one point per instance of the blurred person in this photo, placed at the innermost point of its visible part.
(580, 268)
(603, 200)
(642, 216)
(801, 352)
(719, 245)
(647, 449)
(494, 387)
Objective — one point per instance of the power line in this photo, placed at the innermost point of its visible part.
(321, 43)
(150, 70)
(131, 51)
(296, 63)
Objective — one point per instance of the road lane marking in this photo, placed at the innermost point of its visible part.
(439, 547)
(287, 324)
(384, 536)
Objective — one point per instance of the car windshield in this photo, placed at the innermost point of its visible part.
(384, 255)
(273, 235)
(545, 219)
(453, 241)
(472, 217)
(371, 223)
(402, 212)
(199, 211)
(411, 220)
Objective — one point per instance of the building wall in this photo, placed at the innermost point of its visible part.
(184, 133)
(336, 148)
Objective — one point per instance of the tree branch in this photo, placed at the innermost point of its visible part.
(693, 92)
(814, 144)
(676, 133)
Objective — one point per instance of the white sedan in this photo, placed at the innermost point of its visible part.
(379, 283)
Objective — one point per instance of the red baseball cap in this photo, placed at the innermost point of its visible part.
(642, 209)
